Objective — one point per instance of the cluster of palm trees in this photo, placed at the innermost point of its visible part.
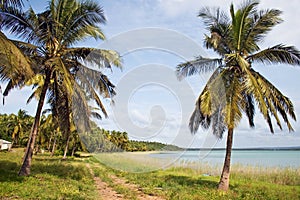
(46, 58)
(15, 127)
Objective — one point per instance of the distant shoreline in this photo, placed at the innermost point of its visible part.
(247, 149)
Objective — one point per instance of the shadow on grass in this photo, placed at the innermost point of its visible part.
(189, 181)
(48, 158)
(61, 169)
(9, 171)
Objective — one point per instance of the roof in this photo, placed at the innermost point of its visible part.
(4, 142)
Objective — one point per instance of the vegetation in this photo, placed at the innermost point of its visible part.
(75, 181)
(50, 178)
(16, 128)
(150, 146)
(47, 57)
(61, 70)
(184, 183)
(235, 87)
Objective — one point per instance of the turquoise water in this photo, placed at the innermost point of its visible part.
(264, 158)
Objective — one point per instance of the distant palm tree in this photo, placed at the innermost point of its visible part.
(61, 69)
(19, 125)
(235, 86)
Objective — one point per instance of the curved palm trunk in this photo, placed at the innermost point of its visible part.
(25, 168)
(49, 143)
(224, 181)
(67, 147)
(11, 145)
(53, 147)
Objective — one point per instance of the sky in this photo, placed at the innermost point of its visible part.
(153, 37)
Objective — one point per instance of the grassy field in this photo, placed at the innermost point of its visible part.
(55, 179)
(50, 178)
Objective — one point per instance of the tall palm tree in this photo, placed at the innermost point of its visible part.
(48, 38)
(235, 87)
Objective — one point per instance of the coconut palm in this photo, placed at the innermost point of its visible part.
(235, 86)
(19, 125)
(48, 38)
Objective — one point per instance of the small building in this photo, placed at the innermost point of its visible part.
(4, 144)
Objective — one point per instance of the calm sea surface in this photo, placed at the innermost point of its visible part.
(264, 158)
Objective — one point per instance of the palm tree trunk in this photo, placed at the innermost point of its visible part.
(67, 147)
(11, 145)
(224, 181)
(53, 147)
(25, 168)
(49, 143)
(73, 150)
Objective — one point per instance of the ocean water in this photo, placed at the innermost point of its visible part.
(262, 158)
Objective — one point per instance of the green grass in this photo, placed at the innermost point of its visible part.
(185, 183)
(199, 181)
(52, 178)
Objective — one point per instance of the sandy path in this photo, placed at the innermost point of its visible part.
(104, 190)
(138, 190)
(108, 193)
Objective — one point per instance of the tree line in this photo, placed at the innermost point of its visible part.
(16, 128)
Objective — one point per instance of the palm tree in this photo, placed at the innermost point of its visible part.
(20, 125)
(235, 87)
(61, 69)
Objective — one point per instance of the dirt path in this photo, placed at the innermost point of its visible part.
(138, 190)
(104, 190)
(108, 193)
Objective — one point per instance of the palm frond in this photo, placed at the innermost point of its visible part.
(213, 17)
(275, 100)
(217, 22)
(218, 125)
(199, 65)
(249, 108)
(92, 56)
(88, 88)
(28, 49)
(277, 54)
(234, 96)
(96, 115)
(13, 63)
(4, 4)
(260, 24)
(252, 86)
(209, 106)
(77, 20)
(93, 78)
(197, 118)
(81, 110)
(35, 94)
(240, 23)
(22, 24)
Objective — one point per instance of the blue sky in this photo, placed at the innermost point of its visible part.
(153, 36)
